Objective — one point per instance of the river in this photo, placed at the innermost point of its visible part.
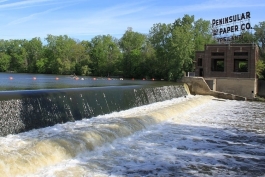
(186, 136)
(23, 81)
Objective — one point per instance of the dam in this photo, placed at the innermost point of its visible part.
(130, 130)
(26, 110)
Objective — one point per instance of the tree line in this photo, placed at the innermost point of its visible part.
(167, 52)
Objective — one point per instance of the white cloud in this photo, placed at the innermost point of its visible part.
(21, 4)
(212, 5)
(84, 18)
(30, 17)
(33, 3)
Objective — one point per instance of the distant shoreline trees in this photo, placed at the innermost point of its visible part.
(165, 53)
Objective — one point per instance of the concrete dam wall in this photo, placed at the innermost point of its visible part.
(197, 85)
(22, 111)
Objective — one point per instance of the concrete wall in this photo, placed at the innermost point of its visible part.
(197, 85)
(211, 83)
(245, 87)
(242, 87)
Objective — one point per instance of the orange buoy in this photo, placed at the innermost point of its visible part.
(132, 78)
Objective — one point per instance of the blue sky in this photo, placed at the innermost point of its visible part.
(84, 19)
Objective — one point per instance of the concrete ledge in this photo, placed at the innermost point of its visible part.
(197, 85)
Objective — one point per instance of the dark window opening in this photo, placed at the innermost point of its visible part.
(218, 53)
(201, 72)
(240, 53)
(217, 64)
(199, 61)
(240, 65)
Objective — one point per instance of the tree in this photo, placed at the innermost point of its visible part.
(4, 62)
(175, 45)
(34, 50)
(246, 37)
(260, 34)
(104, 53)
(41, 65)
(165, 53)
(147, 64)
(81, 58)
(202, 34)
(160, 38)
(59, 51)
(16, 50)
(4, 57)
(131, 45)
(182, 49)
(260, 69)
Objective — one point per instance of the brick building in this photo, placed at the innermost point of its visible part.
(229, 68)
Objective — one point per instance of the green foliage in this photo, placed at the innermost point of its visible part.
(41, 65)
(64, 55)
(4, 62)
(246, 37)
(175, 45)
(167, 52)
(105, 55)
(18, 55)
(243, 67)
(260, 34)
(202, 34)
(34, 53)
(160, 39)
(182, 48)
(260, 69)
(132, 45)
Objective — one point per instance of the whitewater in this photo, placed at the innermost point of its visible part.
(186, 136)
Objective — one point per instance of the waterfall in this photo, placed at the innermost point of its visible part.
(22, 111)
(27, 153)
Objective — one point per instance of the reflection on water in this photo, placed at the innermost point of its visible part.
(20, 81)
(192, 136)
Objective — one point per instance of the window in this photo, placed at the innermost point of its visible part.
(199, 61)
(240, 65)
(217, 64)
(201, 72)
(218, 53)
(240, 53)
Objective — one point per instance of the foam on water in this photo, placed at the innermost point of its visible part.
(193, 136)
(25, 153)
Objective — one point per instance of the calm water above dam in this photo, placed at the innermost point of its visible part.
(20, 81)
(192, 136)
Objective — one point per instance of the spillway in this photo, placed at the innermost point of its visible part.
(22, 111)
